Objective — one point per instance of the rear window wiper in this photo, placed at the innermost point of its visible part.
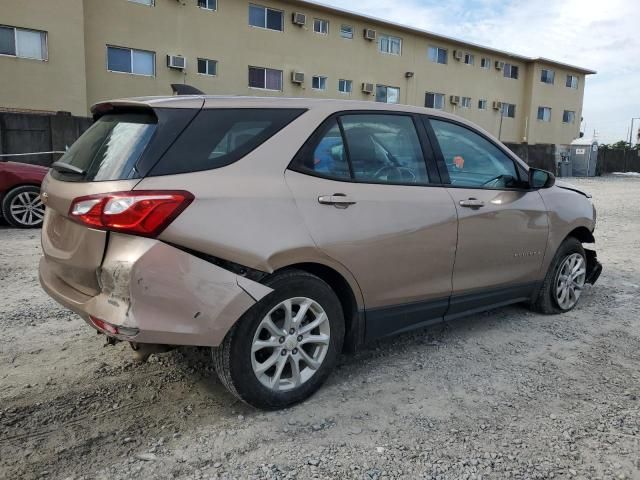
(67, 168)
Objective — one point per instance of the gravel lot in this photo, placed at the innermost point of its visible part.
(507, 394)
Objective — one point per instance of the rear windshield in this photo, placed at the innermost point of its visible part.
(219, 137)
(110, 149)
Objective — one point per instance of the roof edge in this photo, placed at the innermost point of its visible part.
(437, 36)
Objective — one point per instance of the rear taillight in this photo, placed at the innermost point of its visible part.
(111, 329)
(145, 213)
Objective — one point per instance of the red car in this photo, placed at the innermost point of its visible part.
(20, 194)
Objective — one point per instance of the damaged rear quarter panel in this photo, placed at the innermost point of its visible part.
(170, 295)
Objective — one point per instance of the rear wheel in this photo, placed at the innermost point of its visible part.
(22, 207)
(565, 280)
(283, 349)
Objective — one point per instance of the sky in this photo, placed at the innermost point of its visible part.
(595, 34)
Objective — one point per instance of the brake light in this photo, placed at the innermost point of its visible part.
(111, 329)
(144, 213)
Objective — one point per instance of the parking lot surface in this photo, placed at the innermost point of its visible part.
(505, 394)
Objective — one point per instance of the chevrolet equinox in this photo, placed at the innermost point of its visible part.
(281, 232)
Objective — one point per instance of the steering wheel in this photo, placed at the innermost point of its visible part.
(495, 179)
(404, 173)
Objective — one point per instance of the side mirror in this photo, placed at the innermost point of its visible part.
(541, 179)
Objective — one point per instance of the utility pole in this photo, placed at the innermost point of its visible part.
(501, 118)
(631, 131)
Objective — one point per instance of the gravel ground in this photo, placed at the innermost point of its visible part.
(506, 394)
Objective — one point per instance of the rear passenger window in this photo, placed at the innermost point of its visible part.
(384, 148)
(329, 156)
(370, 148)
(219, 137)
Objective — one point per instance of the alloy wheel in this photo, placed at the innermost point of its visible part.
(290, 344)
(570, 281)
(27, 209)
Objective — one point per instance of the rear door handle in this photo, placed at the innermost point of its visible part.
(472, 203)
(338, 200)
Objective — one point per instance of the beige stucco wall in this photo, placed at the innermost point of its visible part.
(560, 98)
(180, 27)
(58, 83)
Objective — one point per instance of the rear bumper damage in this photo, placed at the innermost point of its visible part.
(154, 293)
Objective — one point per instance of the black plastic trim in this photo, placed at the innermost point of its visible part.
(396, 319)
(236, 268)
(486, 299)
(594, 267)
(387, 321)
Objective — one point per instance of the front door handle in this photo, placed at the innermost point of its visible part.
(472, 203)
(338, 200)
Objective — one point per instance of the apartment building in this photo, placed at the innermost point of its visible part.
(68, 54)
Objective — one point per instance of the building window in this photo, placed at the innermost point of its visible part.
(321, 26)
(345, 86)
(346, 31)
(468, 59)
(149, 3)
(438, 55)
(568, 116)
(482, 104)
(544, 114)
(385, 94)
(508, 110)
(390, 45)
(208, 4)
(547, 76)
(265, 78)
(465, 102)
(21, 43)
(268, 18)
(572, 81)
(485, 63)
(435, 100)
(207, 67)
(319, 83)
(510, 71)
(129, 60)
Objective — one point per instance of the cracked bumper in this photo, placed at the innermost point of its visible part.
(169, 296)
(594, 267)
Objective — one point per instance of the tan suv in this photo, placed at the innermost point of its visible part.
(281, 232)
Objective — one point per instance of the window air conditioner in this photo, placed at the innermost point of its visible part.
(176, 62)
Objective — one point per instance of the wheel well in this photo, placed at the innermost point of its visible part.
(583, 235)
(354, 328)
(18, 185)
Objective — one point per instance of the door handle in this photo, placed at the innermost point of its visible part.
(472, 203)
(338, 200)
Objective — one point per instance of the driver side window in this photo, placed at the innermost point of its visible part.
(473, 161)
(384, 148)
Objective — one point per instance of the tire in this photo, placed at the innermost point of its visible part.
(22, 207)
(238, 365)
(547, 301)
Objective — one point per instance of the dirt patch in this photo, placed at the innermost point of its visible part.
(506, 394)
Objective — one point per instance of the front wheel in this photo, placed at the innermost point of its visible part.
(565, 280)
(284, 348)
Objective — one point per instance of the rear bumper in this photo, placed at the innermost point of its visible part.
(168, 296)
